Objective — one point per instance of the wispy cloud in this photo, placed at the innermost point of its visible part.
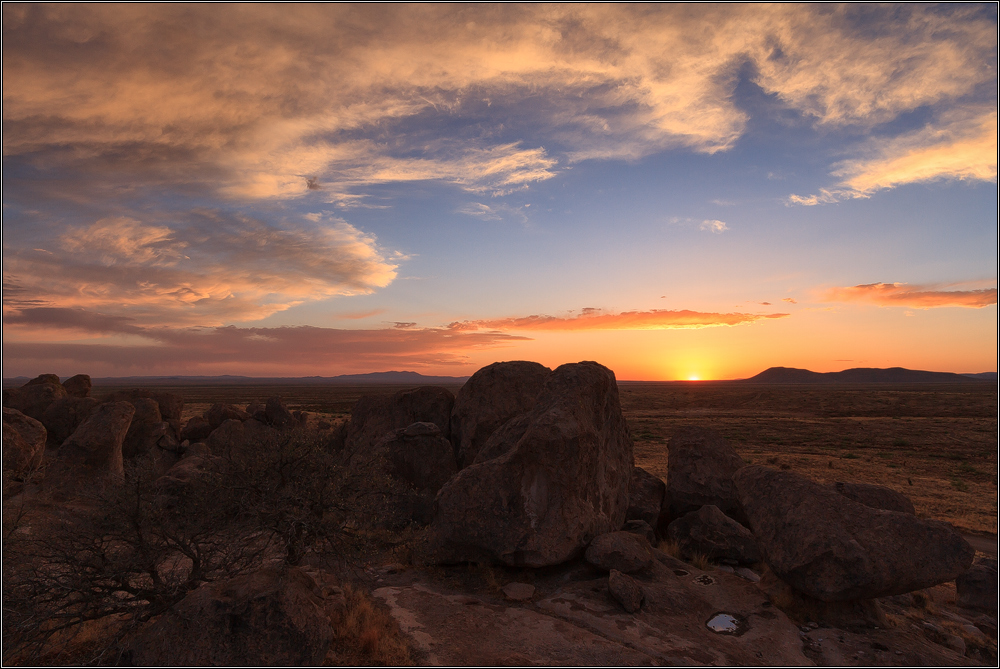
(919, 297)
(717, 227)
(596, 319)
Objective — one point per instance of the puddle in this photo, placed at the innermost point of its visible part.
(704, 580)
(726, 623)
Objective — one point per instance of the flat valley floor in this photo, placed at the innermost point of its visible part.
(935, 443)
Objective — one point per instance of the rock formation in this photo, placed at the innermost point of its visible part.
(715, 535)
(700, 468)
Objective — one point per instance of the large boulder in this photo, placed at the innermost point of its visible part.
(622, 551)
(42, 379)
(375, 415)
(875, 496)
(977, 587)
(77, 386)
(171, 405)
(33, 398)
(700, 468)
(271, 617)
(834, 549)
(174, 484)
(562, 480)
(145, 422)
(23, 444)
(277, 414)
(63, 416)
(715, 535)
(220, 412)
(197, 429)
(646, 496)
(625, 590)
(491, 397)
(97, 443)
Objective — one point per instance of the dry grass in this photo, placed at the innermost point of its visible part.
(366, 634)
(700, 561)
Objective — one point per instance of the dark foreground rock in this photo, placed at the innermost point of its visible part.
(977, 587)
(875, 496)
(491, 397)
(63, 416)
(77, 386)
(700, 468)
(376, 415)
(220, 412)
(23, 444)
(97, 444)
(625, 590)
(624, 552)
(715, 535)
(834, 549)
(271, 617)
(562, 480)
(645, 501)
(33, 398)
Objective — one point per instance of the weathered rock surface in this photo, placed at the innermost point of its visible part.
(875, 496)
(97, 443)
(642, 528)
(42, 379)
(715, 535)
(171, 405)
(625, 590)
(700, 468)
(63, 416)
(419, 455)
(563, 480)
(277, 414)
(77, 386)
(144, 430)
(834, 549)
(620, 551)
(197, 429)
(646, 497)
(23, 444)
(375, 415)
(271, 617)
(220, 412)
(519, 592)
(491, 397)
(977, 587)
(177, 480)
(33, 398)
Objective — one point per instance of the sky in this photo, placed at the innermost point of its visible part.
(676, 191)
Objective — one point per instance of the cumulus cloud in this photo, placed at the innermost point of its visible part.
(215, 269)
(919, 297)
(717, 227)
(596, 319)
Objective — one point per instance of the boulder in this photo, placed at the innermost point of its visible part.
(277, 414)
(220, 413)
(419, 455)
(34, 398)
(875, 496)
(271, 617)
(197, 429)
(145, 423)
(977, 587)
(23, 444)
(491, 397)
(63, 416)
(228, 439)
(43, 378)
(832, 548)
(625, 590)
(623, 551)
(97, 443)
(700, 468)
(519, 592)
(642, 528)
(645, 501)
(173, 484)
(375, 415)
(171, 406)
(715, 535)
(563, 480)
(77, 386)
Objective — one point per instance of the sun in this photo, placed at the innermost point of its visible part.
(694, 377)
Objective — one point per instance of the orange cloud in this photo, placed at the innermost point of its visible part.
(920, 297)
(594, 319)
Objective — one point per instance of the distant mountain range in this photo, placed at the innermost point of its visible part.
(375, 378)
(866, 375)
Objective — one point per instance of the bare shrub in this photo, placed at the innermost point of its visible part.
(365, 634)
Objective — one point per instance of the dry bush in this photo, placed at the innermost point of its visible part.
(365, 634)
(700, 561)
(671, 548)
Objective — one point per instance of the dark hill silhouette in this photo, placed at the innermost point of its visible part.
(864, 375)
(374, 378)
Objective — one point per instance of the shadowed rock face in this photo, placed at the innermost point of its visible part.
(876, 496)
(977, 588)
(700, 468)
(65, 415)
(33, 398)
(171, 405)
(97, 443)
(715, 535)
(23, 443)
(619, 551)
(376, 415)
(270, 617)
(78, 386)
(834, 549)
(220, 412)
(562, 480)
(645, 497)
(490, 398)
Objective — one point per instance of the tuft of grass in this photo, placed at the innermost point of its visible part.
(700, 561)
(365, 634)
(670, 548)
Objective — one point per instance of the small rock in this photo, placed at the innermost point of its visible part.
(625, 590)
(519, 592)
(749, 575)
(977, 587)
(955, 642)
(622, 551)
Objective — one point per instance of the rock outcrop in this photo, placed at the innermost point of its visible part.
(376, 415)
(63, 416)
(97, 443)
(621, 551)
(625, 590)
(197, 429)
(646, 497)
(23, 444)
(77, 386)
(700, 468)
(715, 535)
(835, 549)
(977, 587)
(271, 617)
(491, 397)
(220, 412)
(145, 421)
(875, 496)
(33, 398)
(562, 480)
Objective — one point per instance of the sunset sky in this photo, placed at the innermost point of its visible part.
(679, 191)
